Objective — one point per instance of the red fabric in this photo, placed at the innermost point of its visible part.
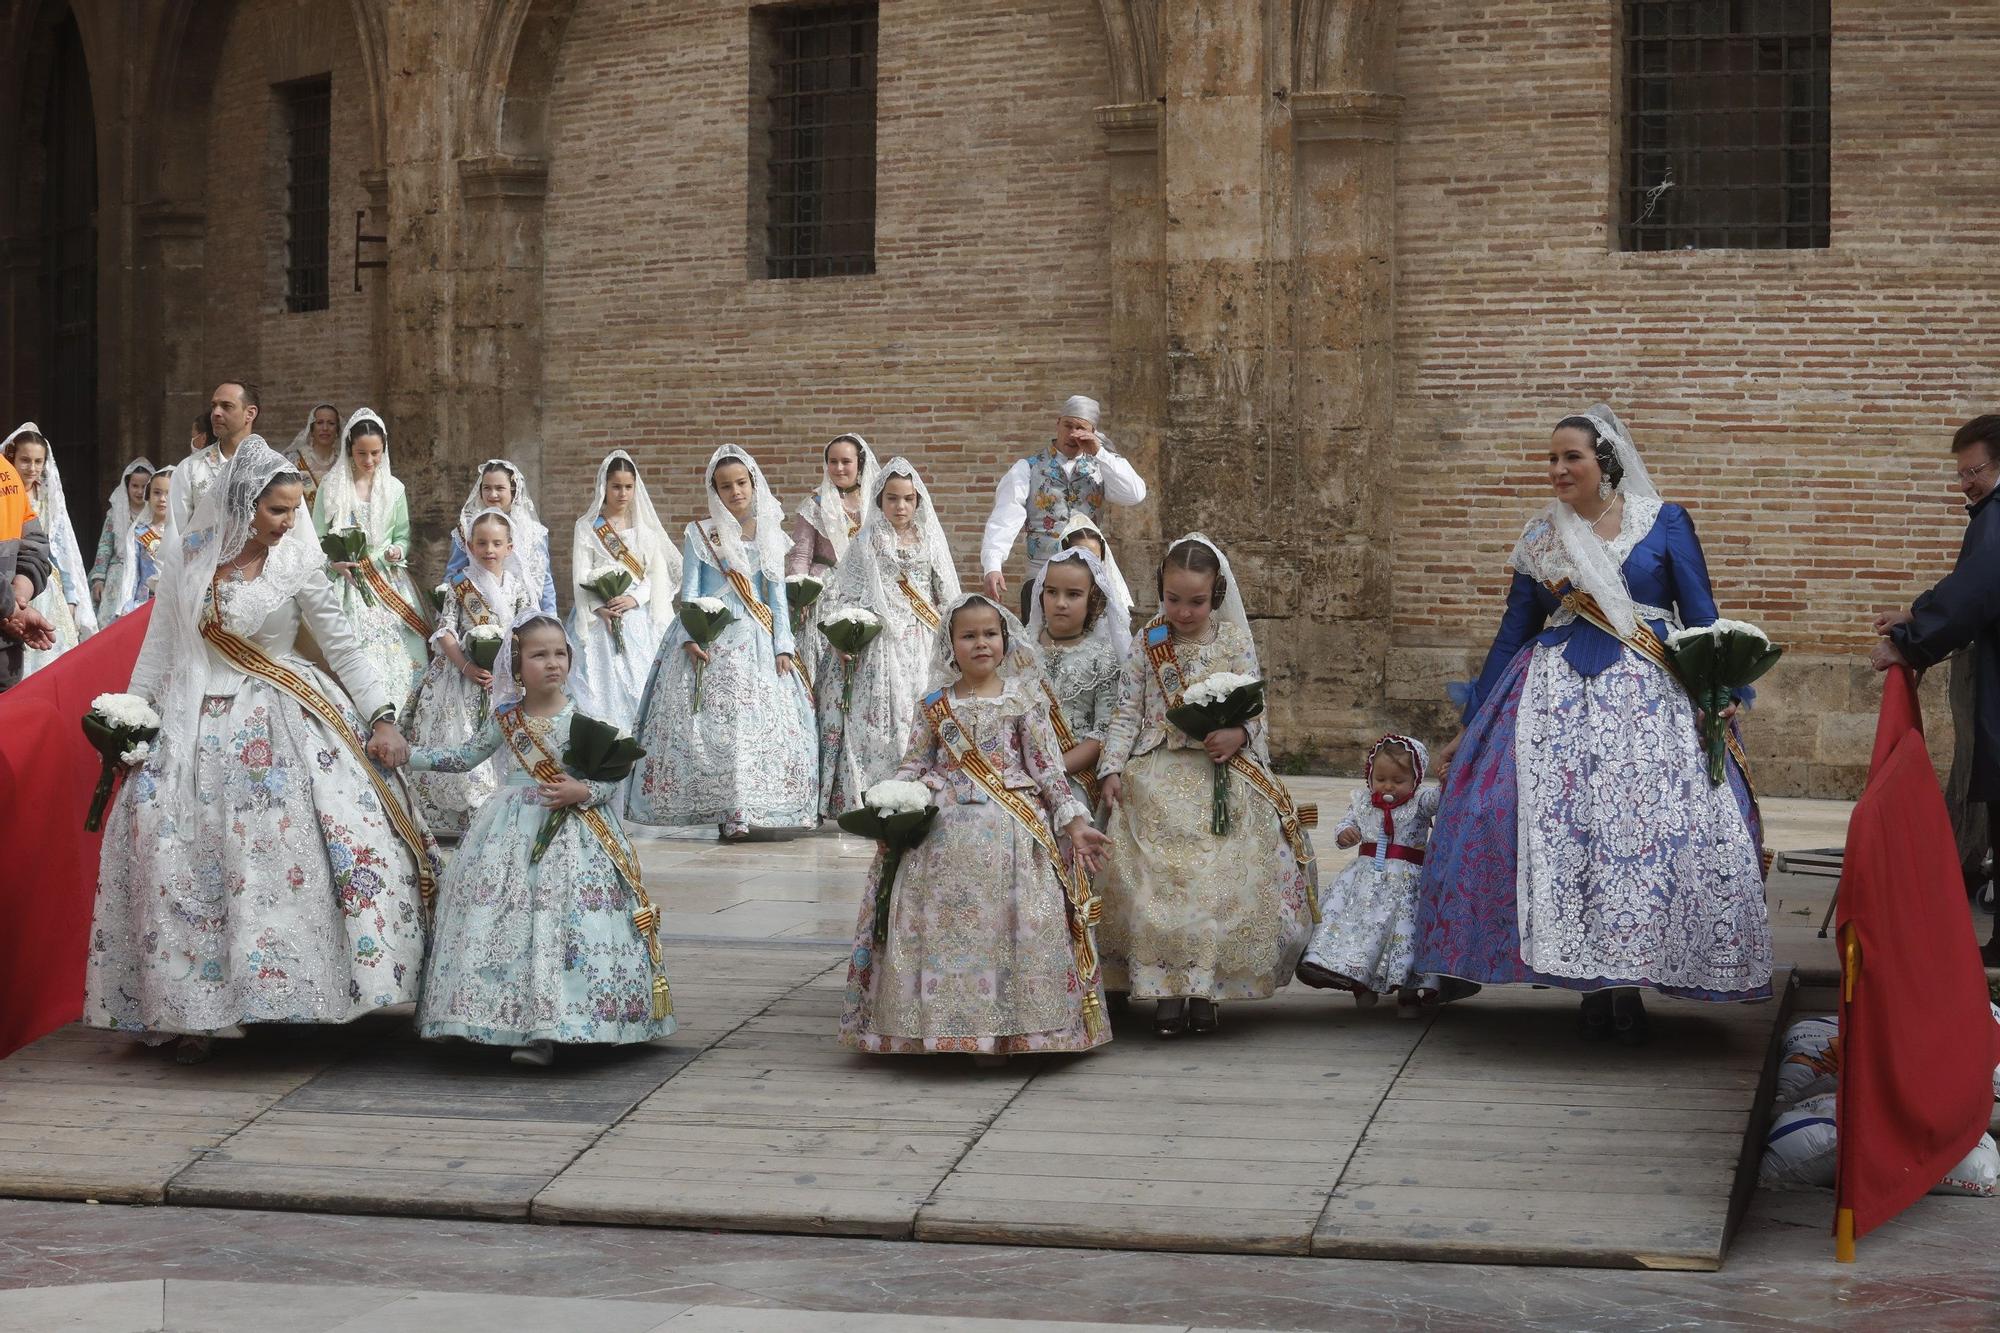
(1397, 852)
(47, 773)
(1918, 1043)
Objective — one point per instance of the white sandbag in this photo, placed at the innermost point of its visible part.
(1978, 1174)
(1808, 1059)
(1996, 1068)
(1800, 1148)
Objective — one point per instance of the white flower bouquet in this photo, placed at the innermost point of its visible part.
(1714, 662)
(348, 545)
(607, 582)
(704, 619)
(121, 728)
(850, 630)
(482, 645)
(897, 815)
(1216, 703)
(801, 591)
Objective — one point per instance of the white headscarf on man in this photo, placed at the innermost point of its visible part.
(649, 539)
(865, 577)
(52, 507)
(766, 551)
(824, 508)
(216, 533)
(338, 498)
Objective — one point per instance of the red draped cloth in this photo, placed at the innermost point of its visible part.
(49, 884)
(1918, 1043)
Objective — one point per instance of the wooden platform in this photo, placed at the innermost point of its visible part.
(1488, 1134)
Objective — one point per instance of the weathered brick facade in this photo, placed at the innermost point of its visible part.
(1335, 267)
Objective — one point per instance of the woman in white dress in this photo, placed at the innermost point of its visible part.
(899, 568)
(256, 867)
(65, 600)
(124, 507)
(831, 517)
(135, 562)
(315, 451)
(619, 529)
(360, 491)
(746, 757)
(500, 485)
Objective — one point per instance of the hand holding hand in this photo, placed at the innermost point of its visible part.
(1449, 750)
(567, 791)
(1087, 845)
(29, 627)
(386, 745)
(1222, 745)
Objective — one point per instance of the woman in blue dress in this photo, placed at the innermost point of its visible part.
(501, 485)
(1580, 844)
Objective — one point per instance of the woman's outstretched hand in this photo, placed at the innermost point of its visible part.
(1087, 845)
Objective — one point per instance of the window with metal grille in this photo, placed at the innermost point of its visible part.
(819, 95)
(1727, 125)
(308, 110)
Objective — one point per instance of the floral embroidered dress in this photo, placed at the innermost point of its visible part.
(1084, 676)
(65, 599)
(1580, 844)
(250, 871)
(523, 952)
(605, 682)
(396, 647)
(1188, 913)
(1367, 928)
(134, 571)
(119, 516)
(978, 955)
(746, 759)
(451, 710)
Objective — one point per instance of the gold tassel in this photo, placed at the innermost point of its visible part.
(646, 919)
(663, 998)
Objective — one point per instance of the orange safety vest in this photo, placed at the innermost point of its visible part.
(16, 509)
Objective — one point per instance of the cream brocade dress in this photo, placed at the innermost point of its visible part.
(1187, 913)
(978, 955)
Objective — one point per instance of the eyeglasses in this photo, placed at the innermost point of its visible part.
(1968, 475)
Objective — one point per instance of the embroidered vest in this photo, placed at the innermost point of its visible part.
(1053, 497)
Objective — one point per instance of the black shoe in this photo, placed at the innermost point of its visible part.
(1321, 978)
(1170, 1017)
(1203, 1016)
(1989, 953)
(1595, 1022)
(1628, 1018)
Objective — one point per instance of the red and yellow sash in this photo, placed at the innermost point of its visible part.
(248, 658)
(919, 603)
(1083, 905)
(150, 539)
(608, 538)
(739, 581)
(1067, 739)
(393, 599)
(1294, 820)
(535, 757)
(469, 600)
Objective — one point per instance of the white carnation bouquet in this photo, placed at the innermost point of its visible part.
(607, 583)
(122, 729)
(1216, 703)
(704, 619)
(896, 815)
(1714, 662)
(850, 630)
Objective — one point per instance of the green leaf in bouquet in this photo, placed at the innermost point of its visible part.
(598, 752)
(802, 593)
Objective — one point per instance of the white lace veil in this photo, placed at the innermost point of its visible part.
(113, 513)
(1020, 665)
(493, 591)
(867, 575)
(122, 579)
(215, 534)
(1113, 626)
(506, 690)
(769, 544)
(337, 493)
(52, 507)
(1119, 593)
(650, 542)
(823, 508)
(1592, 565)
(302, 442)
(1232, 600)
(531, 537)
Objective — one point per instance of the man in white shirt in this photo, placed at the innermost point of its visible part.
(1077, 474)
(232, 412)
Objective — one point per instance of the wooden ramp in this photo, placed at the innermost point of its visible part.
(1487, 1134)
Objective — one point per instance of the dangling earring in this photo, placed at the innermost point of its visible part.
(1603, 489)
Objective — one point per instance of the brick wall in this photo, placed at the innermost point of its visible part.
(312, 356)
(990, 297)
(1800, 403)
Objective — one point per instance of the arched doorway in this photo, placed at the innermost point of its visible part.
(67, 393)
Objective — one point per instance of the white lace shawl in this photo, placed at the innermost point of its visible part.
(868, 574)
(824, 509)
(531, 537)
(649, 540)
(770, 545)
(338, 502)
(1591, 565)
(1113, 627)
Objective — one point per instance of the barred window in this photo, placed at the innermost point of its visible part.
(819, 95)
(1727, 125)
(308, 111)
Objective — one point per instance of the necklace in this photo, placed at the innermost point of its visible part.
(1055, 638)
(1614, 508)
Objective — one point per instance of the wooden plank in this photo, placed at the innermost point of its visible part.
(1113, 1225)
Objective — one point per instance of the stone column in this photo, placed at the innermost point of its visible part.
(1136, 394)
